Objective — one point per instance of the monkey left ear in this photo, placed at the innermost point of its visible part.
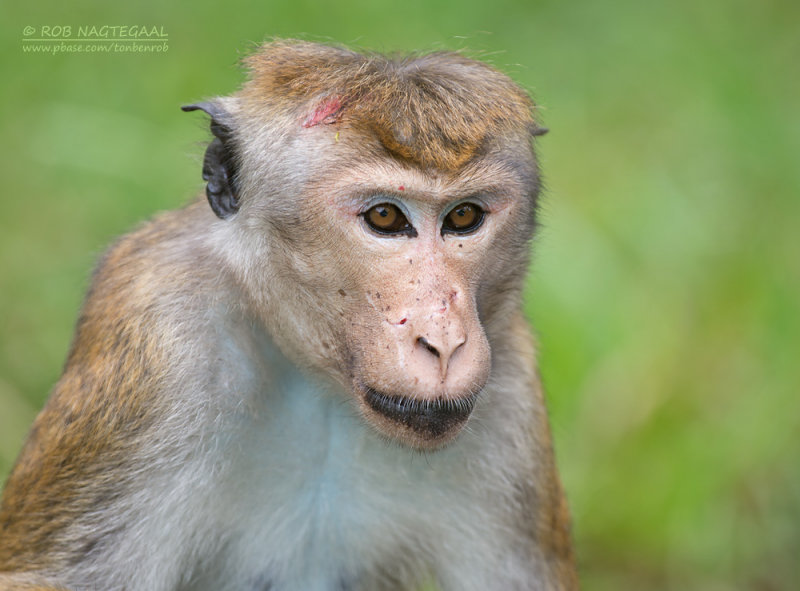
(219, 164)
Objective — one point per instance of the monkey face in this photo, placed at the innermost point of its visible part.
(420, 354)
(386, 210)
(408, 259)
(388, 274)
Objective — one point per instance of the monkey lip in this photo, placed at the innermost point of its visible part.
(430, 419)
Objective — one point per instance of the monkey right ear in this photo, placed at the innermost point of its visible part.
(219, 164)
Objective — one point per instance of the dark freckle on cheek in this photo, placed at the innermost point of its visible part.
(460, 245)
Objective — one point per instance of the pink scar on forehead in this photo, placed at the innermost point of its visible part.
(327, 112)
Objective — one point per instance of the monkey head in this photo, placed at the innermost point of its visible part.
(378, 213)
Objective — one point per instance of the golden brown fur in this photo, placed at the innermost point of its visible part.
(82, 445)
(435, 110)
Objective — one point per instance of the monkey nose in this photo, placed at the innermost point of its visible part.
(439, 350)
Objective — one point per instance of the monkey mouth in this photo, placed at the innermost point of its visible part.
(430, 419)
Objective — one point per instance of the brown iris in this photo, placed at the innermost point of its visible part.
(386, 218)
(463, 219)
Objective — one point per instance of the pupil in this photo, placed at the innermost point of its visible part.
(463, 215)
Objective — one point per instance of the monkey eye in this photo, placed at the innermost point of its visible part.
(463, 219)
(386, 218)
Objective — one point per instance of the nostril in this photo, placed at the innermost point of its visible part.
(424, 342)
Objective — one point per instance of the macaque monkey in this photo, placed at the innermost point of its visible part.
(324, 381)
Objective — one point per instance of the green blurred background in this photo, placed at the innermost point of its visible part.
(666, 280)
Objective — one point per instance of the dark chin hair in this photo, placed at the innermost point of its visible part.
(431, 419)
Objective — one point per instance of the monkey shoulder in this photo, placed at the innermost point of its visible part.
(132, 365)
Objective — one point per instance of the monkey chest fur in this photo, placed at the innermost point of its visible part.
(301, 495)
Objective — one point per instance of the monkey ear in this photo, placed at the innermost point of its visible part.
(219, 164)
(536, 130)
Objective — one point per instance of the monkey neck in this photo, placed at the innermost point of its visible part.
(314, 421)
(308, 487)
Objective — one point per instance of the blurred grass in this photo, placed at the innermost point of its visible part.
(666, 281)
